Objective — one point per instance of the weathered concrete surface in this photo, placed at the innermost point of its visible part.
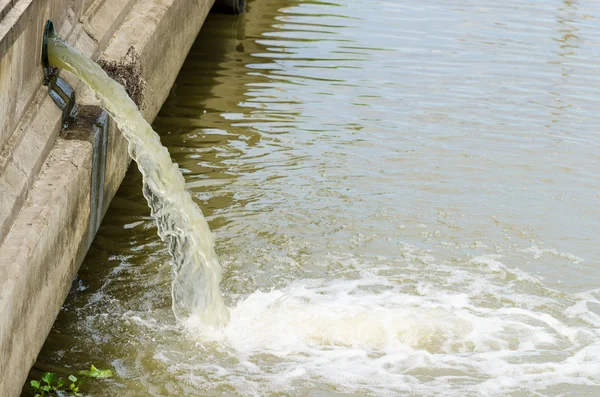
(37, 258)
(53, 190)
(22, 99)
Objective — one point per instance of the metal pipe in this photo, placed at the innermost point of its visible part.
(49, 71)
(59, 90)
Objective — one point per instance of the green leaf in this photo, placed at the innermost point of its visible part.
(60, 383)
(45, 388)
(49, 377)
(97, 373)
(35, 384)
(72, 378)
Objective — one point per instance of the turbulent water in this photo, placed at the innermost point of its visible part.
(405, 200)
(196, 268)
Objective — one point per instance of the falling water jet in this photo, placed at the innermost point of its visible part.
(195, 267)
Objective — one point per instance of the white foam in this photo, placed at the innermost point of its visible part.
(539, 252)
(374, 335)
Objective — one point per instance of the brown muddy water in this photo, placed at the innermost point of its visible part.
(405, 201)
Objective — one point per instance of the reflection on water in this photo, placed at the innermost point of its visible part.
(405, 202)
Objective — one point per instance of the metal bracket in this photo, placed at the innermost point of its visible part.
(100, 131)
(59, 90)
(63, 96)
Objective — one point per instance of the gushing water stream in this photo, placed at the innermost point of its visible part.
(196, 269)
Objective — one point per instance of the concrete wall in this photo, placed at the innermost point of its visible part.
(55, 185)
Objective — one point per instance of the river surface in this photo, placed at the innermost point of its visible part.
(405, 198)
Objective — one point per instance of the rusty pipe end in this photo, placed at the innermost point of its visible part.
(49, 71)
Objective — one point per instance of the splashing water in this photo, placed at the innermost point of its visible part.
(196, 269)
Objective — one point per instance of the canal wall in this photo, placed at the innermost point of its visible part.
(56, 183)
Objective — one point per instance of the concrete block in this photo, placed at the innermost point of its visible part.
(12, 187)
(37, 136)
(37, 258)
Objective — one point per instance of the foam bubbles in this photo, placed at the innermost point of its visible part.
(376, 335)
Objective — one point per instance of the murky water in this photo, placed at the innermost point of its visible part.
(405, 202)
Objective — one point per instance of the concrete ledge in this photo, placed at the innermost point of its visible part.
(56, 190)
(37, 259)
(20, 166)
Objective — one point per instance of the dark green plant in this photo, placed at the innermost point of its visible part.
(49, 385)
